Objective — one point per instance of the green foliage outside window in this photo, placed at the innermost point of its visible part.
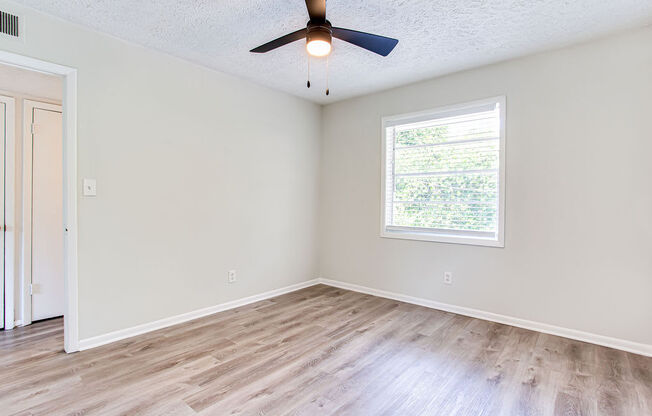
(434, 188)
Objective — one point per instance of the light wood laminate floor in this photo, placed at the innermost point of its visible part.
(322, 351)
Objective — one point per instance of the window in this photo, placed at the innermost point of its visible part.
(443, 174)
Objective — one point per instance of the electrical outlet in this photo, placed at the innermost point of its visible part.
(232, 276)
(448, 278)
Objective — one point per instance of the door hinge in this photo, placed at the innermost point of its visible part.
(34, 128)
(31, 289)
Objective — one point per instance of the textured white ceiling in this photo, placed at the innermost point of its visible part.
(435, 36)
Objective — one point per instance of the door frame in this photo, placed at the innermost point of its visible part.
(70, 181)
(9, 211)
(28, 170)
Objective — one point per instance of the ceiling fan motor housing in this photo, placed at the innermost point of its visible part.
(319, 31)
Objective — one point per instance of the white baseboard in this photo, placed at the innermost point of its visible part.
(620, 344)
(96, 341)
(629, 346)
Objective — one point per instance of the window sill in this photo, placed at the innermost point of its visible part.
(442, 238)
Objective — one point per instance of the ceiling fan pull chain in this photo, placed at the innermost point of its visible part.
(327, 90)
(308, 83)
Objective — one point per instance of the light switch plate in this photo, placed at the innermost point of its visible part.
(90, 187)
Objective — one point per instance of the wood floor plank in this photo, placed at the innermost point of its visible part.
(322, 351)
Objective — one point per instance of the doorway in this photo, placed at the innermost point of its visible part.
(63, 119)
(31, 187)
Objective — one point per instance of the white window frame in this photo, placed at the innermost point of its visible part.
(445, 236)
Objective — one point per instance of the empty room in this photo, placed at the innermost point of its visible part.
(326, 207)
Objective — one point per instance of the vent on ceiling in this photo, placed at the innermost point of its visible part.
(9, 24)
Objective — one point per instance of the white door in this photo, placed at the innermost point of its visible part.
(47, 212)
(3, 140)
(7, 131)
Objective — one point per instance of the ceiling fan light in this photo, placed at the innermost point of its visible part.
(318, 47)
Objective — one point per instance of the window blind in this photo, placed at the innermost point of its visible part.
(443, 172)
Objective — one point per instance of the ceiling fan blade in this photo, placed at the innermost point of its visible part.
(283, 40)
(316, 9)
(374, 43)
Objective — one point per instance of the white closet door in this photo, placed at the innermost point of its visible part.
(47, 214)
(7, 156)
(3, 140)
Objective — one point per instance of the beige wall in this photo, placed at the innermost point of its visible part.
(197, 173)
(30, 84)
(578, 251)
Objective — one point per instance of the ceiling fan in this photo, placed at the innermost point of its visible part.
(319, 34)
